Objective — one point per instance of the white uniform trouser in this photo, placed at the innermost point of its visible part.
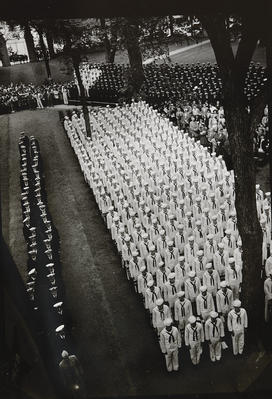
(238, 341)
(171, 359)
(205, 314)
(159, 329)
(267, 314)
(182, 323)
(235, 290)
(40, 104)
(215, 349)
(195, 352)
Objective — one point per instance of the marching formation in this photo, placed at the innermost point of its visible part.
(169, 206)
(166, 82)
(44, 281)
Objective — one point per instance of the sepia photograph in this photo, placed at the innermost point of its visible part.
(135, 188)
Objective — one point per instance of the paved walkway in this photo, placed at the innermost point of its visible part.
(175, 52)
(111, 332)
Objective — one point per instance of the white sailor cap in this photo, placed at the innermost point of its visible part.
(180, 294)
(135, 253)
(161, 264)
(145, 235)
(237, 303)
(150, 283)
(223, 284)
(231, 260)
(142, 269)
(171, 276)
(203, 288)
(170, 243)
(192, 274)
(221, 245)
(213, 314)
(210, 236)
(228, 231)
(200, 253)
(192, 319)
(181, 258)
(60, 328)
(168, 322)
(191, 238)
(152, 248)
(208, 265)
(57, 305)
(159, 302)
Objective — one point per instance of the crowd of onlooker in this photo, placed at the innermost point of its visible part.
(21, 96)
(188, 94)
(206, 122)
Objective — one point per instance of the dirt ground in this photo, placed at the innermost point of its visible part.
(111, 332)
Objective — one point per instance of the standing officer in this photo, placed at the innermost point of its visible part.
(214, 332)
(204, 303)
(160, 313)
(194, 336)
(237, 325)
(224, 300)
(182, 311)
(170, 342)
(233, 276)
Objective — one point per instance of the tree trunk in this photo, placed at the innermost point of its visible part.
(4, 52)
(241, 126)
(50, 44)
(110, 48)
(241, 144)
(82, 96)
(171, 24)
(29, 43)
(45, 55)
(269, 76)
(135, 57)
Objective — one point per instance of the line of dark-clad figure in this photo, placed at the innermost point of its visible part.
(44, 282)
(190, 82)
